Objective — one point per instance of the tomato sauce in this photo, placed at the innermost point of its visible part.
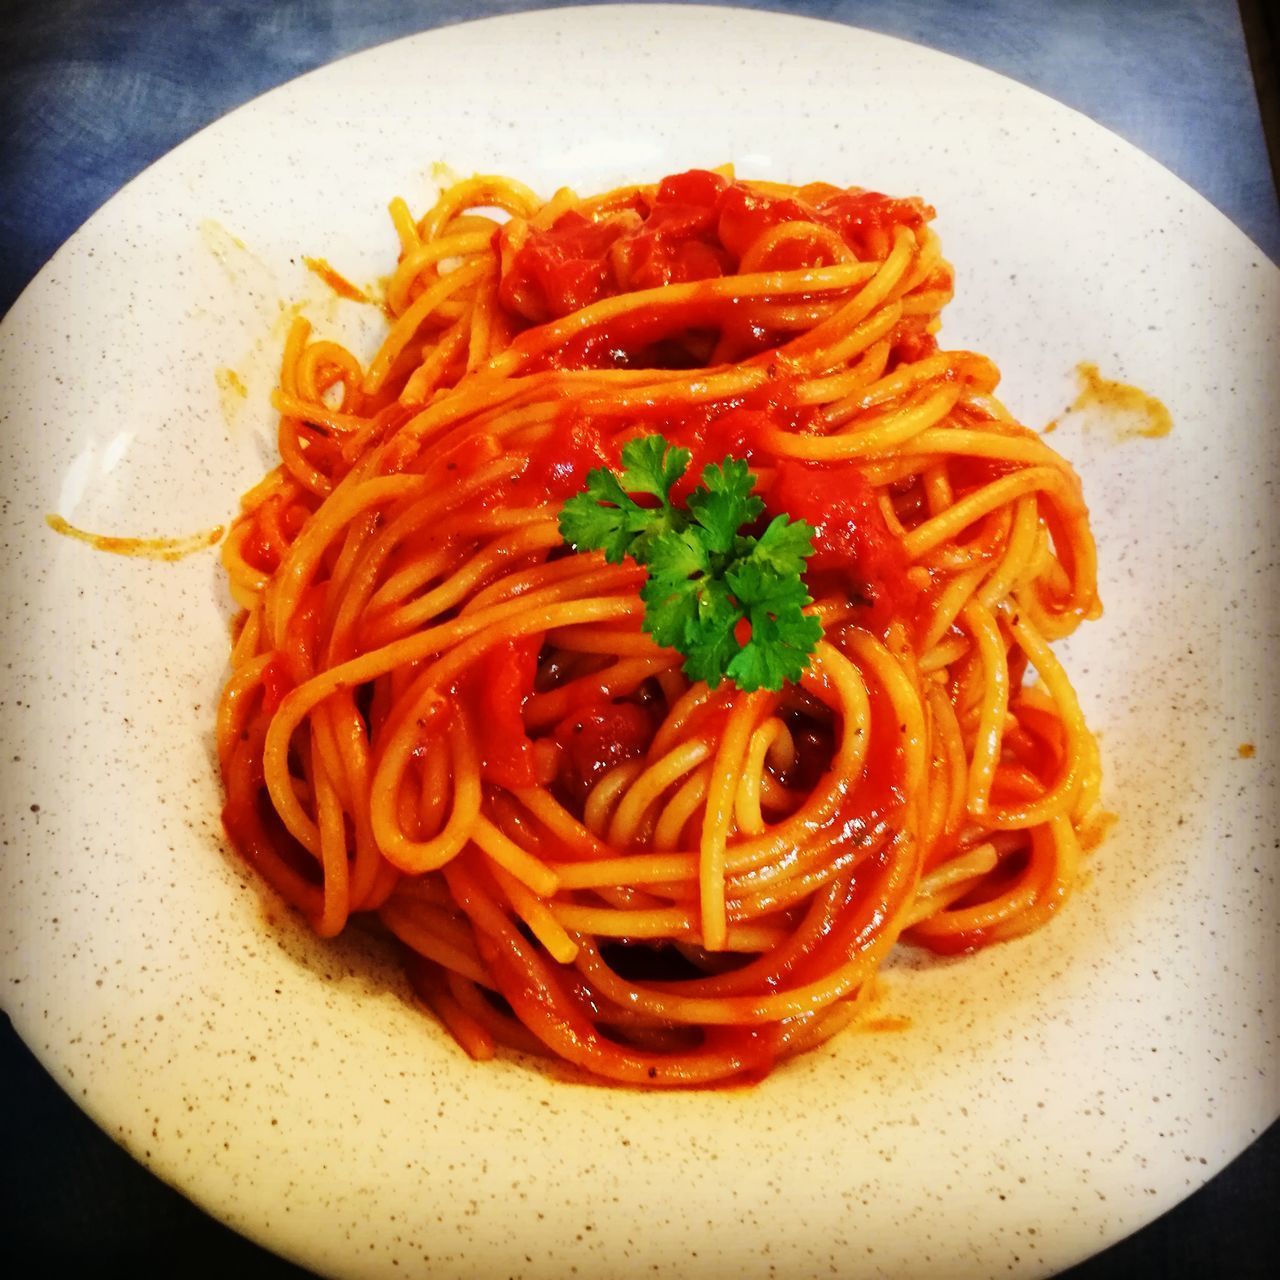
(275, 684)
(850, 538)
(496, 688)
(558, 464)
(695, 226)
(597, 737)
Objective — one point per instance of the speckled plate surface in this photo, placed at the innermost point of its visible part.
(1050, 1094)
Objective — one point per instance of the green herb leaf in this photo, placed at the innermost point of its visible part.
(779, 650)
(710, 645)
(724, 503)
(678, 569)
(651, 466)
(585, 522)
(705, 575)
(784, 546)
(782, 634)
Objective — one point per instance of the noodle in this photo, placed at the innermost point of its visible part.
(440, 715)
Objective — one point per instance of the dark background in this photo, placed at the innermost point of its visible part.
(93, 91)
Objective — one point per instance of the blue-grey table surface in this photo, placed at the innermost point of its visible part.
(93, 91)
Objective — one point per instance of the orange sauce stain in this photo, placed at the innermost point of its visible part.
(1129, 411)
(144, 548)
(338, 283)
(218, 239)
(886, 1022)
(1246, 751)
(232, 393)
(231, 382)
(285, 316)
(382, 284)
(1094, 830)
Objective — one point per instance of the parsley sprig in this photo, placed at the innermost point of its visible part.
(705, 574)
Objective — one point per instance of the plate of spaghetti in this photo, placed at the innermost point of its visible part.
(648, 778)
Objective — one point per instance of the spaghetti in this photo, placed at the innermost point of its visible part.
(440, 715)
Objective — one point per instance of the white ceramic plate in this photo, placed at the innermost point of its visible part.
(1051, 1094)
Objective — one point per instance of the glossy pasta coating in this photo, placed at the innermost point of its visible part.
(440, 716)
